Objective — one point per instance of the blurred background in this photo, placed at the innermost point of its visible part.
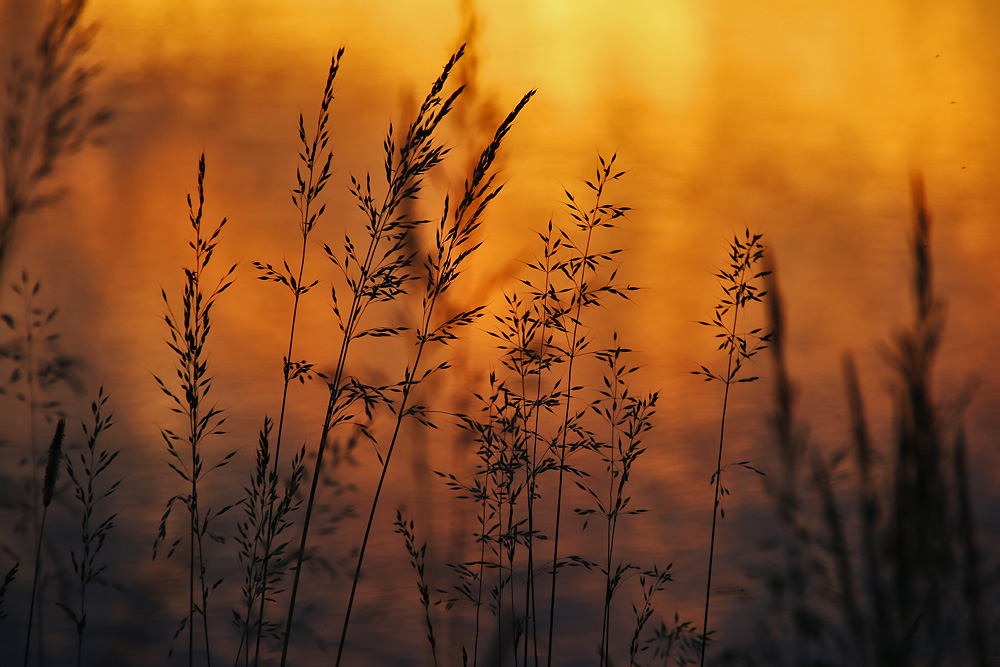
(801, 122)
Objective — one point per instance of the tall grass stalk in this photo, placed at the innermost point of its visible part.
(455, 241)
(311, 179)
(509, 458)
(628, 418)
(515, 445)
(541, 319)
(376, 274)
(48, 488)
(418, 560)
(46, 114)
(40, 375)
(568, 322)
(528, 326)
(650, 583)
(40, 368)
(87, 473)
(488, 489)
(682, 637)
(899, 582)
(739, 289)
(496, 487)
(188, 339)
(266, 518)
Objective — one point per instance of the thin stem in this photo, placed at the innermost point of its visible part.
(378, 492)
(612, 524)
(718, 484)
(482, 559)
(306, 196)
(34, 586)
(530, 602)
(327, 423)
(354, 316)
(565, 426)
(358, 305)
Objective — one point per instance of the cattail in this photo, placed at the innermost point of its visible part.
(52, 467)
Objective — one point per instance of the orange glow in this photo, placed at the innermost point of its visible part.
(803, 121)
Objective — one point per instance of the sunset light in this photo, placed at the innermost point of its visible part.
(645, 318)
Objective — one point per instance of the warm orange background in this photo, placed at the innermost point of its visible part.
(800, 121)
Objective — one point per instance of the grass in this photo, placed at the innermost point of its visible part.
(39, 376)
(87, 472)
(376, 275)
(46, 115)
(885, 568)
(537, 416)
(418, 559)
(48, 487)
(188, 339)
(739, 285)
(311, 179)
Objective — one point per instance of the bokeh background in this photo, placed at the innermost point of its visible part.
(804, 122)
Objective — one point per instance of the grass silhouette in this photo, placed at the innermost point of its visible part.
(884, 569)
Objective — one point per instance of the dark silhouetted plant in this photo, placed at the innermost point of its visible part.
(739, 288)
(7, 581)
(374, 273)
(418, 559)
(188, 337)
(263, 560)
(48, 488)
(45, 114)
(39, 369)
(650, 583)
(683, 638)
(564, 310)
(497, 487)
(898, 582)
(311, 178)
(455, 241)
(535, 417)
(627, 418)
(381, 272)
(87, 475)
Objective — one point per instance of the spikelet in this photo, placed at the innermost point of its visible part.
(52, 467)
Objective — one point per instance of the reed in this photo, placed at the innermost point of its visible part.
(682, 637)
(886, 571)
(512, 447)
(188, 338)
(567, 321)
(496, 488)
(650, 583)
(889, 571)
(627, 418)
(382, 274)
(41, 376)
